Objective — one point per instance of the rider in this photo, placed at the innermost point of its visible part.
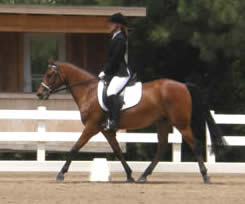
(116, 70)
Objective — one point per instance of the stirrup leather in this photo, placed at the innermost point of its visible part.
(110, 125)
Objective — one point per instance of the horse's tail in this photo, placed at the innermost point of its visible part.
(201, 115)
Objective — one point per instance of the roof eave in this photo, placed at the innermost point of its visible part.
(71, 10)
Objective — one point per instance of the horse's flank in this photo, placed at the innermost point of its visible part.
(160, 101)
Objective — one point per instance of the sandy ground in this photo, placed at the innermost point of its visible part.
(41, 188)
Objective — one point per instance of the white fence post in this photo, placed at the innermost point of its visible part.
(176, 139)
(210, 157)
(41, 129)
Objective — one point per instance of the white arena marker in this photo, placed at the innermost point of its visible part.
(100, 171)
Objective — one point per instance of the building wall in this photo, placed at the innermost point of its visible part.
(11, 58)
(87, 51)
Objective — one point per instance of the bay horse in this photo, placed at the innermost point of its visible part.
(165, 103)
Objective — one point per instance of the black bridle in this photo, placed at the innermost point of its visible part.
(52, 89)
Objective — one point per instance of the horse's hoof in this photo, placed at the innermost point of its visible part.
(141, 180)
(130, 180)
(60, 177)
(207, 180)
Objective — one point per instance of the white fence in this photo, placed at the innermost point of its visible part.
(42, 138)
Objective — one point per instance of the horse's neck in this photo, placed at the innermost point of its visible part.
(81, 83)
(75, 76)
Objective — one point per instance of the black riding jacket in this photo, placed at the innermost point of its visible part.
(116, 64)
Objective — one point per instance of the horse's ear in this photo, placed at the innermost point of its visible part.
(51, 61)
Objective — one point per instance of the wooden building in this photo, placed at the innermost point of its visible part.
(74, 34)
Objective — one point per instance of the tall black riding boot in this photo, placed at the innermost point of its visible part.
(114, 112)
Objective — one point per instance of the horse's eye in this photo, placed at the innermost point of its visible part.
(49, 75)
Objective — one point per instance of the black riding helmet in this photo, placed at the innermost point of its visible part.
(118, 18)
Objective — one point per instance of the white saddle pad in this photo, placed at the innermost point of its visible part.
(132, 95)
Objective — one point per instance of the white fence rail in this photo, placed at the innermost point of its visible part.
(42, 138)
(232, 140)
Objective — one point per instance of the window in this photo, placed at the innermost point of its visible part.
(39, 48)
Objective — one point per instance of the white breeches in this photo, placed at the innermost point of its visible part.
(116, 84)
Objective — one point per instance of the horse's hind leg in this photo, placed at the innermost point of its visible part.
(163, 128)
(188, 137)
(111, 138)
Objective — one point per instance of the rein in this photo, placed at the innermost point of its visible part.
(52, 88)
(73, 85)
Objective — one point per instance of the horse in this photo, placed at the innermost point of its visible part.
(165, 103)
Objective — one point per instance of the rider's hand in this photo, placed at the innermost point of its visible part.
(101, 75)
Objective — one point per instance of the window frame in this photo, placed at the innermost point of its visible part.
(28, 37)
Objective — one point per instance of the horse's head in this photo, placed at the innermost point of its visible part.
(51, 81)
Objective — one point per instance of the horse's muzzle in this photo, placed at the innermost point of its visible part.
(44, 95)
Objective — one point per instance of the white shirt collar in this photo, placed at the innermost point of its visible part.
(115, 34)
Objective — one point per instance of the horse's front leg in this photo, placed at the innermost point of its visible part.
(84, 138)
(60, 176)
(111, 138)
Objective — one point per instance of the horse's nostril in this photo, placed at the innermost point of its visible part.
(39, 95)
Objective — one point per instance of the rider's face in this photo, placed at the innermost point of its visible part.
(113, 27)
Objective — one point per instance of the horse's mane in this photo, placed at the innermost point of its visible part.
(79, 69)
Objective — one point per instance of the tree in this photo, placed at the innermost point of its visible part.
(196, 40)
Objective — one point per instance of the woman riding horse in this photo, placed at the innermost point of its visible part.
(165, 103)
(116, 72)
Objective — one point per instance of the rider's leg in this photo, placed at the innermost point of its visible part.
(116, 85)
(114, 106)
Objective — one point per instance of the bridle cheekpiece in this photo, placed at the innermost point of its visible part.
(51, 88)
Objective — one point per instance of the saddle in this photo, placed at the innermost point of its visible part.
(130, 96)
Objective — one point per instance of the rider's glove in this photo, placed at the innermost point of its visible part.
(101, 75)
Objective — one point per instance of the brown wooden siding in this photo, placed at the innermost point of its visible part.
(11, 58)
(87, 51)
(63, 24)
